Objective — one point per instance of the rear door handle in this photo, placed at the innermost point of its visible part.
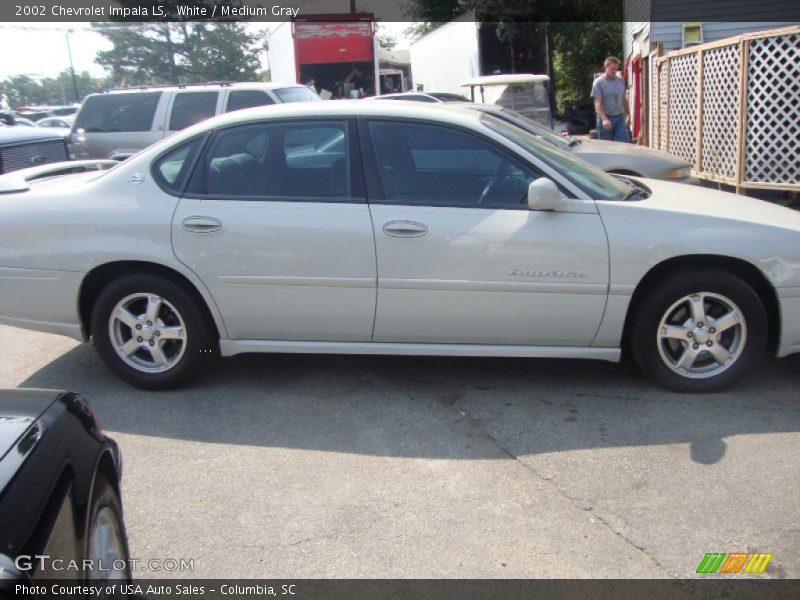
(201, 224)
(404, 229)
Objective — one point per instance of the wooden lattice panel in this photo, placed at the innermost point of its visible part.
(772, 147)
(682, 137)
(720, 111)
(662, 123)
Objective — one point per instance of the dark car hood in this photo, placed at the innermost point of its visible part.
(19, 134)
(19, 409)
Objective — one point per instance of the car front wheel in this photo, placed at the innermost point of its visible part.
(699, 332)
(149, 331)
(107, 542)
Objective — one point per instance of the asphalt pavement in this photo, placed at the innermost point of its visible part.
(278, 466)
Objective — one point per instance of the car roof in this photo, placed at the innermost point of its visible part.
(247, 85)
(346, 108)
(440, 112)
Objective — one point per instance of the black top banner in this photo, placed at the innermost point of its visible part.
(149, 11)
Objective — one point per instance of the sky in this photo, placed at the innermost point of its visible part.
(50, 43)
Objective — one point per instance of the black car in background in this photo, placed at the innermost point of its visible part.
(60, 503)
(22, 147)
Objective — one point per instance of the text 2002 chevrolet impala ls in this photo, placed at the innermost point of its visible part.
(393, 228)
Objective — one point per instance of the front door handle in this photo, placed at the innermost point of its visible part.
(404, 229)
(201, 224)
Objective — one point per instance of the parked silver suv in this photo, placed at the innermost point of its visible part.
(119, 123)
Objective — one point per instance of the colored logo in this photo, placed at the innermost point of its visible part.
(737, 562)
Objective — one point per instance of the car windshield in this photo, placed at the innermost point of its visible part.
(445, 97)
(296, 94)
(559, 141)
(598, 184)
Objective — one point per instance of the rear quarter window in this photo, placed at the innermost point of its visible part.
(172, 169)
(240, 99)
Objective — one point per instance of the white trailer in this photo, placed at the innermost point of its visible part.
(282, 64)
(445, 57)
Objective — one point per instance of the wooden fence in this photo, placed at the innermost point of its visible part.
(732, 109)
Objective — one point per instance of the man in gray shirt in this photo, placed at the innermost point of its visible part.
(611, 103)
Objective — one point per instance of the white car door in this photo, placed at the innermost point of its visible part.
(462, 260)
(280, 233)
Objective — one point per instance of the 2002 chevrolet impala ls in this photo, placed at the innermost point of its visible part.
(373, 228)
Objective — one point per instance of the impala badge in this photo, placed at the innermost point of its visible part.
(136, 179)
(531, 273)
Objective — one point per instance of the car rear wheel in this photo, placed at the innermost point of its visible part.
(106, 541)
(149, 331)
(700, 332)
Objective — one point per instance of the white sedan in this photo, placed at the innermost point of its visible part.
(393, 228)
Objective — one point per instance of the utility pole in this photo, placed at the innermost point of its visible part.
(72, 66)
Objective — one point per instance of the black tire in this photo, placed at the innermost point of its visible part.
(666, 311)
(181, 359)
(107, 548)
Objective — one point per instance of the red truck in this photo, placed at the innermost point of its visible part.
(334, 53)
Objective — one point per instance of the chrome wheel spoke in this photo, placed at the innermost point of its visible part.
(172, 333)
(697, 308)
(687, 359)
(124, 315)
(159, 358)
(103, 537)
(130, 347)
(153, 308)
(726, 321)
(675, 332)
(720, 354)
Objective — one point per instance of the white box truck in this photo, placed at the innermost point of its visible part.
(470, 57)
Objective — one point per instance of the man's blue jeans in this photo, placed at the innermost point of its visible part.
(618, 131)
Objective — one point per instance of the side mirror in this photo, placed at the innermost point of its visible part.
(544, 195)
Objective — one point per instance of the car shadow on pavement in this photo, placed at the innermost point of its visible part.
(432, 407)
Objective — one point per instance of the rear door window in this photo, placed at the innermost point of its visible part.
(189, 108)
(293, 160)
(110, 113)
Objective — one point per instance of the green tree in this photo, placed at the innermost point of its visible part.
(418, 30)
(522, 11)
(385, 40)
(23, 90)
(578, 53)
(183, 52)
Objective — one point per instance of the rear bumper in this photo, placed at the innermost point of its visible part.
(41, 300)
